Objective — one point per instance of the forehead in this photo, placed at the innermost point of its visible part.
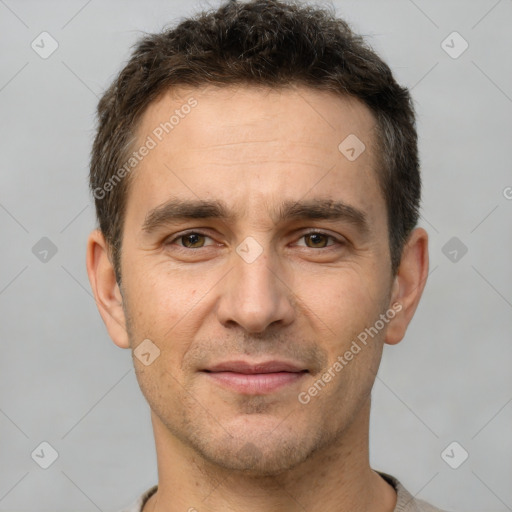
(254, 146)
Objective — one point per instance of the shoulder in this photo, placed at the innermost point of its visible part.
(405, 501)
(139, 504)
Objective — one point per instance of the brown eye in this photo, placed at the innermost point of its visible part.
(192, 240)
(316, 240)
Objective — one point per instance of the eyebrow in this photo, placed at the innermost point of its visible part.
(179, 209)
(315, 209)
(323, 209)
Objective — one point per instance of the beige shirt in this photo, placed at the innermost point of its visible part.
(405, 501)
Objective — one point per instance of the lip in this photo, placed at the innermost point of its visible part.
(249, 368)
(255, 378)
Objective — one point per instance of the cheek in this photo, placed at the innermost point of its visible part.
(348, 307)
(158, 383)
(167, 307)
(160, 297)
(342, 302)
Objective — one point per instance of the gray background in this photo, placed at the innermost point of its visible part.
(64, 382)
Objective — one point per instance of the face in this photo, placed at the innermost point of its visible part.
(254, 255)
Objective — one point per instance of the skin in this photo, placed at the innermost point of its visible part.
(303, 299)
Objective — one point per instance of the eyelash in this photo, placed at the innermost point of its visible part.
(336, 240)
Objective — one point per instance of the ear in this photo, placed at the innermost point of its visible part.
(105, 288)
(408, 284)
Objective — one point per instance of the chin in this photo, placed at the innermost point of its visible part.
(253, 460)
(255, 452)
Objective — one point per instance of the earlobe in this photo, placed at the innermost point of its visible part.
(105, 288)
(408, 284)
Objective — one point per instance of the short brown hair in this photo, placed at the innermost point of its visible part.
(261, 42)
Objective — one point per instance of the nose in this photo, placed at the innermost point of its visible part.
(255, 295)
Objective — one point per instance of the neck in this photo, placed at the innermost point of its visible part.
(335, 479)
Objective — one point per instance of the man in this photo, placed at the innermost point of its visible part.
(257, 187)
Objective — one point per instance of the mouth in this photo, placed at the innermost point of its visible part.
(255, 378)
